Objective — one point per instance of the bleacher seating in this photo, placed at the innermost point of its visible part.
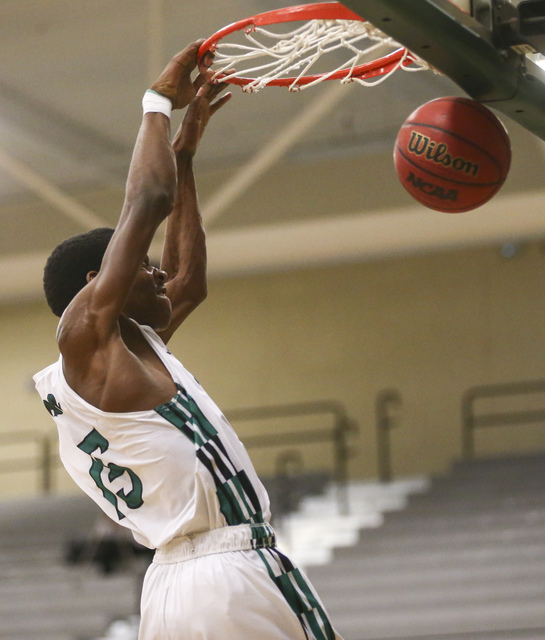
(462, 558)
(41, 597)
(464, 561)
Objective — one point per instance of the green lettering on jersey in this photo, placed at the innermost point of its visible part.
(133, 499)
(52, 406)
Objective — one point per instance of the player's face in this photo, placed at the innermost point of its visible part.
(148, 303)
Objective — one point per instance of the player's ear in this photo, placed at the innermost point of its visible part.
(91, 276)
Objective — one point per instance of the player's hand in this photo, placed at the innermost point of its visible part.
(201, 109)
(175, 82)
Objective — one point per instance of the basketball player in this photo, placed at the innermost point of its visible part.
(137, 432)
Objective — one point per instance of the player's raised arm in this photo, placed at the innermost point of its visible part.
(150, 194)
(184, 254)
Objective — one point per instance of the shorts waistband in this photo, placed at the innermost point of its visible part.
(241, 537)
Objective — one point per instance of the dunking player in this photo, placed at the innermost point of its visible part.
(137, 432)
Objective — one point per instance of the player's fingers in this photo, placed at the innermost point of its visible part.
(219, 103)
(216, 81)
(202, 78)
(207, 59)
(188, 57)
(216, 88)
(209, 92)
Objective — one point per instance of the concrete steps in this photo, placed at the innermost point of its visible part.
(462, 558)
(40, 597)
(465, 560)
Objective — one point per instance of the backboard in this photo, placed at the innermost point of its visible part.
(488, 47)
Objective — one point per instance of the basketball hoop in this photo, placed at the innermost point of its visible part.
(290, 58)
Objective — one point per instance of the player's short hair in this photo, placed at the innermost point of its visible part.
(66, 270)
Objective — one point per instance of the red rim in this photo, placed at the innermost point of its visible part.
(316, 11)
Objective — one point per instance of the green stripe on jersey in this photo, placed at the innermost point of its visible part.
(238, 500)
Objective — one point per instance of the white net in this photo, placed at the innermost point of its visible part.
(293, 58)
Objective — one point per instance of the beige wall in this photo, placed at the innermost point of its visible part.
(430, 326)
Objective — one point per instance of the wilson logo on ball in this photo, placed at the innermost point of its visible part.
(421, 145)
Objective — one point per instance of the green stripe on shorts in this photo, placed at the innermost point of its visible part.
(299, 595)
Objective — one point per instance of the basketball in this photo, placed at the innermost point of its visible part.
(452, 154)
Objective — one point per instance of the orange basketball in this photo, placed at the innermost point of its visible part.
(452, 154)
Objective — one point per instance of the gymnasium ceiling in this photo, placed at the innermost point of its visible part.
(277, 192)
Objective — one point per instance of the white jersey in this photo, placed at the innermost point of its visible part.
(176, 470)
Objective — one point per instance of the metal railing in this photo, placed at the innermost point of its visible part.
(472, 421)
(337, 435)
(386, 401)
(41, 459)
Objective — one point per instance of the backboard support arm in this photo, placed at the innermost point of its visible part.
(460, 47)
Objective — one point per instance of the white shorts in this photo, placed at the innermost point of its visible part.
(229, 584)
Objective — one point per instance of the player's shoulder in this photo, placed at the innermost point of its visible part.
(86, 347)
(84, 326)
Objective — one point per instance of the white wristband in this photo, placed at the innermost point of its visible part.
(155, 102)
